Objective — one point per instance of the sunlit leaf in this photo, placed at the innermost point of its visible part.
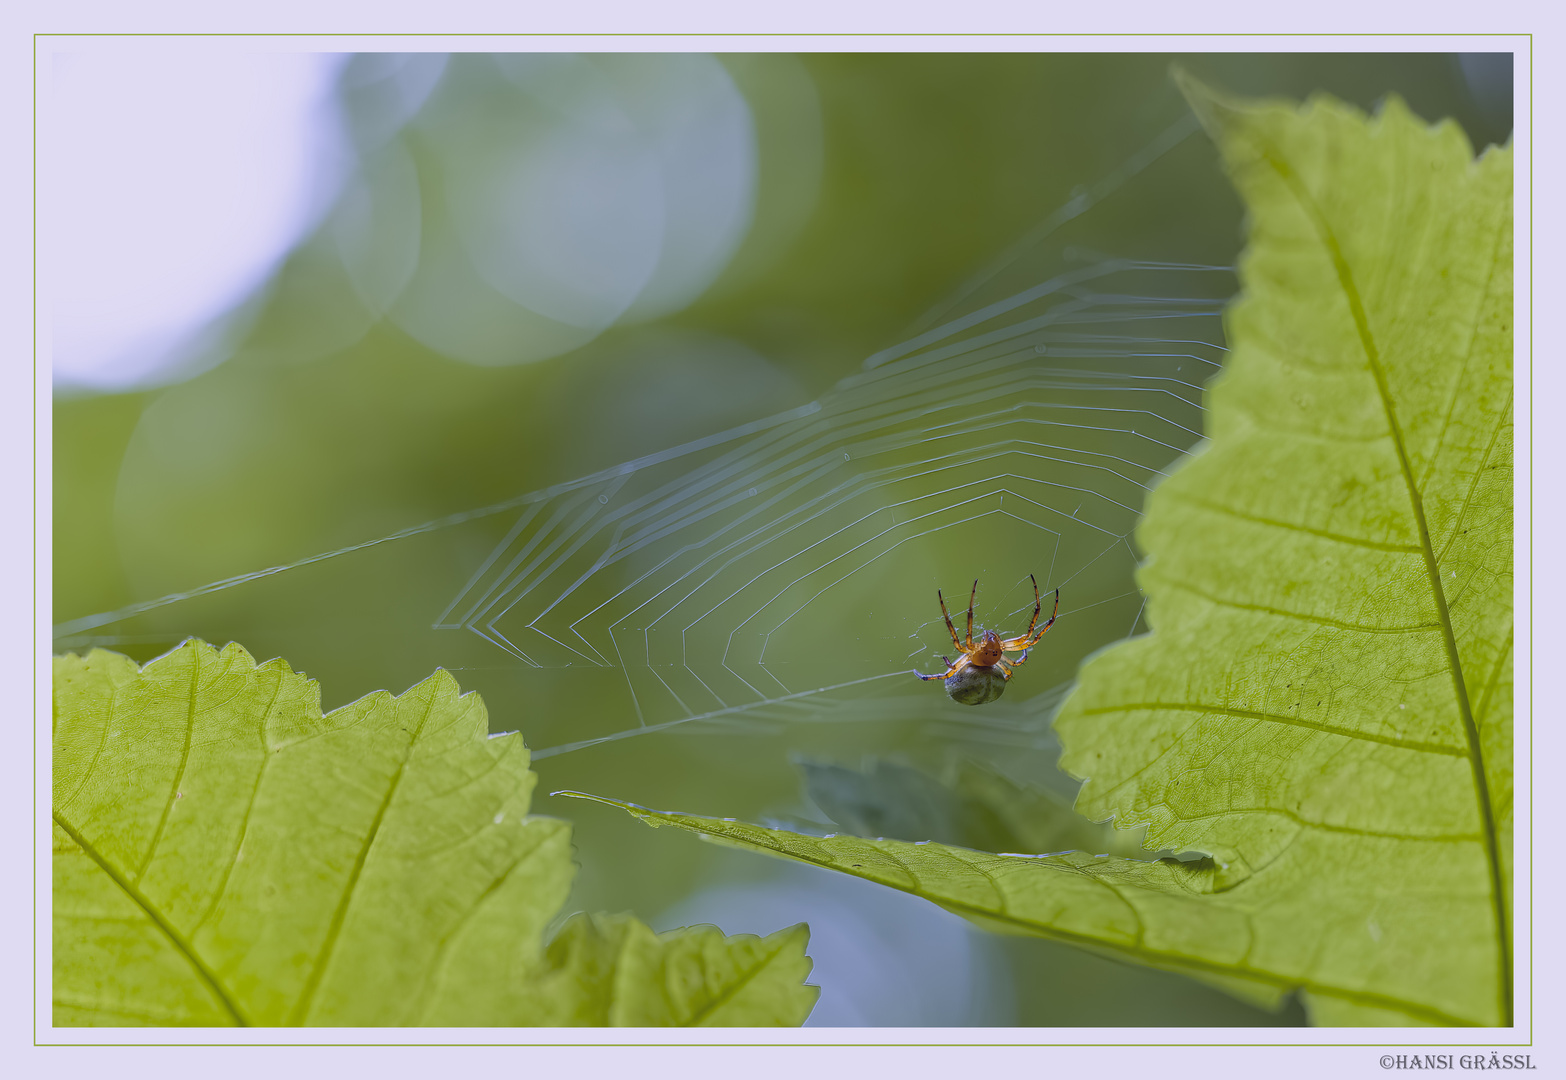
(225, 854)
(613, 970)
(1324, 702)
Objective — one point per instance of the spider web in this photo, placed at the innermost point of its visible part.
(1025, 434)
(786, 569)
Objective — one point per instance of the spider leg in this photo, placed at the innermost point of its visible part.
(1037, 606)
(1028, 640)
(952, 669)
(971, 597)
(949, 627)
(1006, 665)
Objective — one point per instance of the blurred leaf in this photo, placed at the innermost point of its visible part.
(1324, 703)
(225, 854)
(1041, 823)
(978, 809)
(892, 800)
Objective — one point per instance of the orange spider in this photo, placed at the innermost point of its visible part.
(989, 650)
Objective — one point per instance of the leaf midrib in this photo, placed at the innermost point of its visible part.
(1142, 953)
(179, 773)
(243, 832)
(185, 949)
(1276, 718)
(729, 994)
(306, 1000)
(1367, 340)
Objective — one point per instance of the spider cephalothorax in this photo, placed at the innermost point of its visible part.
(987, 656)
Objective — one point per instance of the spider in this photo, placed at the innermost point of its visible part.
(988, 652)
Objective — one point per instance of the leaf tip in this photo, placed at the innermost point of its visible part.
(569, 794)
(645, 814)
(194, 650)
(441, 688)
(789, 935)
(439, 683)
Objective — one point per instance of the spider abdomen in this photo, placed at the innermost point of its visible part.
(979, 675)
(975, 685)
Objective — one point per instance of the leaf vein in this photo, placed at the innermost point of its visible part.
(1299, 616)
(1495, 675)
(1292, 721)
(433, 969)
(1144, 953)
(244, 822)
(1473, 484)
(1175, 494)
(333, 931)
(1481, 782)
(728, 995)
(208, 977)
(179, 772)
(1304, 822)
(1457, 383)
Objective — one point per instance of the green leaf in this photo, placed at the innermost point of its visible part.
(613, 970)
(1155, 913)
(225, 854)
(1324, 702)
(1326, 695)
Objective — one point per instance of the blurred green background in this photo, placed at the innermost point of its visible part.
(391, 376)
